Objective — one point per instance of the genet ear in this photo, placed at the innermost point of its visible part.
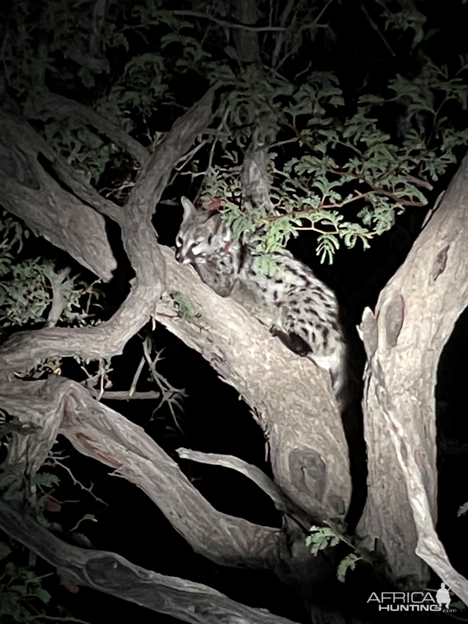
(189, 208)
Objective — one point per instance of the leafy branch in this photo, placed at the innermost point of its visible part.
(330, 536)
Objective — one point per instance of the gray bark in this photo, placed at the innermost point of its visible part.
(302, 426)
(112, 574)
(404, 338)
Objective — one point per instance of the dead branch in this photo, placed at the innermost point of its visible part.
(124, 395)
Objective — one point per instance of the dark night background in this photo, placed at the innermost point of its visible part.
(213, 418)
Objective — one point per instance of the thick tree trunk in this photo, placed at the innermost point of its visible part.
(404, 338)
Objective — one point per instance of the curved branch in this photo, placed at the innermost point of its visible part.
(105, 435)
(263, 481)
(26, 349)
(30, 190)
(155, 174)
(58, 106)
(112, 574)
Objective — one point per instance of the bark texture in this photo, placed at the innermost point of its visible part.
(290, 398)
(112, 574)
(296, 411)
(404, 338)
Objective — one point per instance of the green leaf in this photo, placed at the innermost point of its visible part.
(348, 563)
(43, 595)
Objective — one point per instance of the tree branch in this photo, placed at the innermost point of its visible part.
(296, 411)
(58, 106)
(124, 395)
(263, 481)
(112, 574)
(31, 193)
(26, 349)
(404, 338)
(99, 432)
(155, 174)
(235, 25)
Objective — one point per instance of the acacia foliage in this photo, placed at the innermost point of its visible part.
(342, 163)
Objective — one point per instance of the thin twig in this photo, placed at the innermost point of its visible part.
(169, 394)
(136, 377)
(280, 38)
(123, 395)
(377, 30)
(222, 22)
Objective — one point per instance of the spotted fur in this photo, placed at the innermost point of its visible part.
(293, 302)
